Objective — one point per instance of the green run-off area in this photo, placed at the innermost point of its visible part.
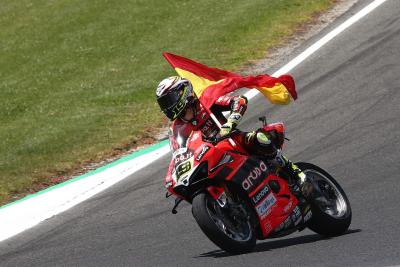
(77, 78)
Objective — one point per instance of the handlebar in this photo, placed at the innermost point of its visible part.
(216, 140)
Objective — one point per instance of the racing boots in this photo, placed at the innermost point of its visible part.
(262, 144)
(292, 170)
(302, 188)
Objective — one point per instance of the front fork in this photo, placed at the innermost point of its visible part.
(216, 191)
(235, 207)
(220, 193)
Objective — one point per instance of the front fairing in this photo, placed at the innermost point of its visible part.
(190, 153)
(185, 144)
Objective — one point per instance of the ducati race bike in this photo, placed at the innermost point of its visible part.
(239, 198)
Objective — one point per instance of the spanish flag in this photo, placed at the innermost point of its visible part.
(211, 83)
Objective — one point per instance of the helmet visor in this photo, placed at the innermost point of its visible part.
(173, 103)
(168, 100)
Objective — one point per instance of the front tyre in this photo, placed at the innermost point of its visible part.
(331, 211)
(226, 225)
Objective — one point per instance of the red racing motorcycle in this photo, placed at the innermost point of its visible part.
(238, 198)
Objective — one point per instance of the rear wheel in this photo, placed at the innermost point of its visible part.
(227, 224)
(331, 211)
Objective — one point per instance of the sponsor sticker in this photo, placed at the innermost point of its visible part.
(260, 194)
(207, 126)
(296, 215)
(268, 226)
(287, 222)
(284, 225)
(204, 150)
(253, 176)
(183, 157)
(179, 151)
(264, 208)
(287, 207)
(236, 117)
(195, 136)
(307, 216)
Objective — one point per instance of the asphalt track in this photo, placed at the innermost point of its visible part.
(347, 120)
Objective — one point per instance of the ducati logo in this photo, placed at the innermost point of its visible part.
(253, 176)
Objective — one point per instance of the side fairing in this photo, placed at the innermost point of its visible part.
(276, 206)
(269, 194)
(251, 174)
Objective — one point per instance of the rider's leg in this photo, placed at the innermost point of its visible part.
(260, 143)
(294, 171)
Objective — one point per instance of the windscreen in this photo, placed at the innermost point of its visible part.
(178, 138)
(182, 155)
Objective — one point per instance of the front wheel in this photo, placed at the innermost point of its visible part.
(227, 225)
(331, 211)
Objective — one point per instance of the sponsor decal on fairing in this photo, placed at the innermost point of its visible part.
(268, 226)
(260, 194)
(204, 150)
(183, 157)
(296, 215)
(253, 176)
(284, 225)
(208, 127)
(287, 222)
(287, 207)
(307, 216)
(179, 151)
(195, 136)
(264, 208)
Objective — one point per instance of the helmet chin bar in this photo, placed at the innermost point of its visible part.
(193, 119)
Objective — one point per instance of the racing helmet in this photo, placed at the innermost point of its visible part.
(174, 94)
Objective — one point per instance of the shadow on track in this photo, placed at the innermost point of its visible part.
(271, 245)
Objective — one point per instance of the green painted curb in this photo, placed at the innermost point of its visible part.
(101, 169)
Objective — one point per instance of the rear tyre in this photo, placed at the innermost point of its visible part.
(227, 227)
(331, 211)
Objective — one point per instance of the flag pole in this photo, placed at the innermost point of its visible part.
(216, 121)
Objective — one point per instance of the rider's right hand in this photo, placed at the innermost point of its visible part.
(226, 129)
(233, 120)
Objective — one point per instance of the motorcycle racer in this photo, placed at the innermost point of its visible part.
(178, 102)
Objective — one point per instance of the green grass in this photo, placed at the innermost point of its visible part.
(77, 78)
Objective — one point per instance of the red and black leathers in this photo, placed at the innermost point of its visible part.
(203, 122)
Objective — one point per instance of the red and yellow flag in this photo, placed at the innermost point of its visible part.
(211, 83)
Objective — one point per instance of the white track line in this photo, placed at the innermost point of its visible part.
(321, 42)
(26, 214)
